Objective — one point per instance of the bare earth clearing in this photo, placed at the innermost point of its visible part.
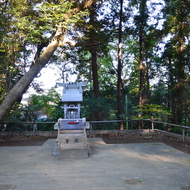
(109, 138)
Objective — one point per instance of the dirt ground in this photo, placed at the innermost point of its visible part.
(108, 138)
(123, 138)
(22, 140)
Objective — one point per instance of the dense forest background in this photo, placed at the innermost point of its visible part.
(134, 56)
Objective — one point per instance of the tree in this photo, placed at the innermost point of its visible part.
(96, 38)
(46, 103)
(10, 52)
(93, 51)
(176, 24)
(62, 20)
(141, 22)
(119, 67)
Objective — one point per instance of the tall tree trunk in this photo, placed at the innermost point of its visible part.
(93, 52)
(141, 76)
(147, 82)
(143, 70)
(119, 69)
(181, 74)
(170, 90)
(177, 111)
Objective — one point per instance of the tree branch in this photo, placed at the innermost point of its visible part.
(83, 5)
(75, 44)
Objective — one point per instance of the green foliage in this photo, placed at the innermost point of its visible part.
(160, 94)
(47, 104)
(53, 13)
(38, 105)
(187, 132)
(153, 110)
(98, 109)
(177, 130)
(11, 46)
(36, 21)
(45, 126)
(15, 114)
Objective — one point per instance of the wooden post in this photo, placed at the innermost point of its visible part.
(90, 128)
(183, 133)
(34, 128)
(126, 111)
(152, 123)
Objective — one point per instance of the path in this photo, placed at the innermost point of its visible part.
(146, 166)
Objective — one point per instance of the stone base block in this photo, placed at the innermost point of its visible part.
(73, 154)
(71, 141)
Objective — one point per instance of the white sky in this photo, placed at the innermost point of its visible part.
(48, 77)
(47, 80)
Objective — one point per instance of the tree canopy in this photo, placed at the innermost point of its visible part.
(132, 49)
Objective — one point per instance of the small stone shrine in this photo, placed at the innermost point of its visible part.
(72, 139)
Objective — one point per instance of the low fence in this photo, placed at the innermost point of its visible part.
(92, 129)
(52, 134)
(27, 126)
(152, 121)
(184, 128)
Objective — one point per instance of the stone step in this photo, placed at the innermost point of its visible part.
(73, 154)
